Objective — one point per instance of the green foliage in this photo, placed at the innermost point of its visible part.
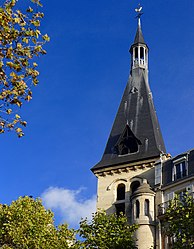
(179, 222)
(27, 224)
(20, 42)
(107, 231)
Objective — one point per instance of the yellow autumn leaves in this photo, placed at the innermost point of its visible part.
(21, 42)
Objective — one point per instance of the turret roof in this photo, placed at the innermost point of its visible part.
(139, 36)
(143, 188)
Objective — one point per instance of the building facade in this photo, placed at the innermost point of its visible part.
(174, 176)
(135, 175)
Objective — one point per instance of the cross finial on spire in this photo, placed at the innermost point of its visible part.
(139, 13)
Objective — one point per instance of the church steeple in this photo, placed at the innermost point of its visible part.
(135, 135)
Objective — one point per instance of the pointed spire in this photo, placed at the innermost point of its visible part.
(135, 135)
(139, 35)
(140, 139)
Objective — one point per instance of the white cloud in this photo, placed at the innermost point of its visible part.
(69, 204)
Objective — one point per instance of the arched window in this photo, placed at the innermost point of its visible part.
(121, 192)
(142, 53)
(146, 207)
(134, 186)
(137, 208)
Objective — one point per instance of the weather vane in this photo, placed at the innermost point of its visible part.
(139, 11)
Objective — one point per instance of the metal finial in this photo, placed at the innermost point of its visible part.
(139, 13)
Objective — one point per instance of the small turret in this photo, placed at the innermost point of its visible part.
(143, 214)
(139, 49)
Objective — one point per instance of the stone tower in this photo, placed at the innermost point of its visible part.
(126, 171)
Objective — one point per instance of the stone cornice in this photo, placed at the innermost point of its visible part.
(125, 168)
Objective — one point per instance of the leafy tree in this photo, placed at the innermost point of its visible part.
(20, 42)
(179, 222)
(27, 224)
(107, 231)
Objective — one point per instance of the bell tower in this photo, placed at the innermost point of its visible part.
(125, 172)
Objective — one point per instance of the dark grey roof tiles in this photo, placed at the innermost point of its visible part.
(167, 167)
(136, 110)
(139, 36)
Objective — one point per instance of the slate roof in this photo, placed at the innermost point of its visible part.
(139, 36)
(143, 188)
(167, 168)
(136, 110)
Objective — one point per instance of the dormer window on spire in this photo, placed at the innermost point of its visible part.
(127, 143)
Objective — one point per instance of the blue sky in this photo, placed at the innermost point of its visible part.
(82, 80)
